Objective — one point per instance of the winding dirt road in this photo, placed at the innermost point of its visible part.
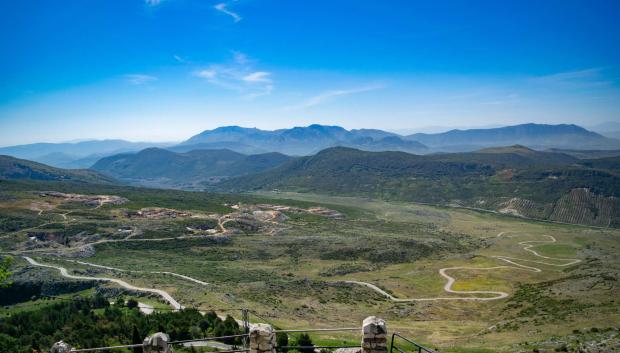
(135, 271)
(527, 246)
(63, 271)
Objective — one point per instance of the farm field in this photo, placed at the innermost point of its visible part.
(305, 260)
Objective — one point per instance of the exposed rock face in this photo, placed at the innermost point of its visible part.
(90, 200)
(262, 339)
(374, 333)
(158, 213)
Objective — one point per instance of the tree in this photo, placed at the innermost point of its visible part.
(281, 340)
(136, 338)
(211, 318)
(132, 303)
(5, 263)
(120, 302)
(304, 340)
(204, 326)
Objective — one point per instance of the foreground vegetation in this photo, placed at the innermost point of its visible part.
(291, 269)
(93, 322)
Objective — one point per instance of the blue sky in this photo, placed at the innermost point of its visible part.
(165, 70)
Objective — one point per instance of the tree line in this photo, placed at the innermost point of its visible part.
(94, 322)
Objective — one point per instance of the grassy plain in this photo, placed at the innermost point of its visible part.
(294, 279)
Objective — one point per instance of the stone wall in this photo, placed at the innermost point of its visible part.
(262, 339)
(374, 335)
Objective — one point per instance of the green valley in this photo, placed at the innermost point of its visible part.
(307, 260)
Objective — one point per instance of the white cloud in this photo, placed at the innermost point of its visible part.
(140, 79)
(575, 79)
(223, 7)
(238, 75)
(258, 76)
(208, 74)
(331, 94)
(153, 2)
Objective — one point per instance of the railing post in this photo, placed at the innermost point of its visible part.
(262, 339)
(374, 335)
(60, 347)
(157, 343)
(246, 326)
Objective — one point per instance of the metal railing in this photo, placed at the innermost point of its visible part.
(141, 345)
(208, 339)
(417, 347)
(109, 348)
(319, 330)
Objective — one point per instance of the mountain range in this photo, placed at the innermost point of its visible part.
(514, 180)
(307, 140)
(300, 141)
(536, 136)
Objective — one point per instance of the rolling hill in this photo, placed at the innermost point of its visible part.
(587, 154)
(610, 163)
(163, 168)
(513, 180)
(19, 169)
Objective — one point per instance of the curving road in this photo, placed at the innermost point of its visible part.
(527, 246)
(63, 271)
(156, 272)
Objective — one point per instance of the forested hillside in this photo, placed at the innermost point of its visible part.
(514, 180)
(163, 168)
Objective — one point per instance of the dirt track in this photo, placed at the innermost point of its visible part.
(156, 272)
(63, 271)
(527, 245)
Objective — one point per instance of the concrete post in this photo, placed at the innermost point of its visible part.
(157, 343)
(374, 335)
(262, 339)
(60, 347)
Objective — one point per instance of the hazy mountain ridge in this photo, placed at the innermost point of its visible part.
(307, 140)
(311, 139)
(314, 138)
(74, 154)
(538, 136)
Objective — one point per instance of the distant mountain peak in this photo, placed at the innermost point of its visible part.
(536, 136)
(305, 140)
